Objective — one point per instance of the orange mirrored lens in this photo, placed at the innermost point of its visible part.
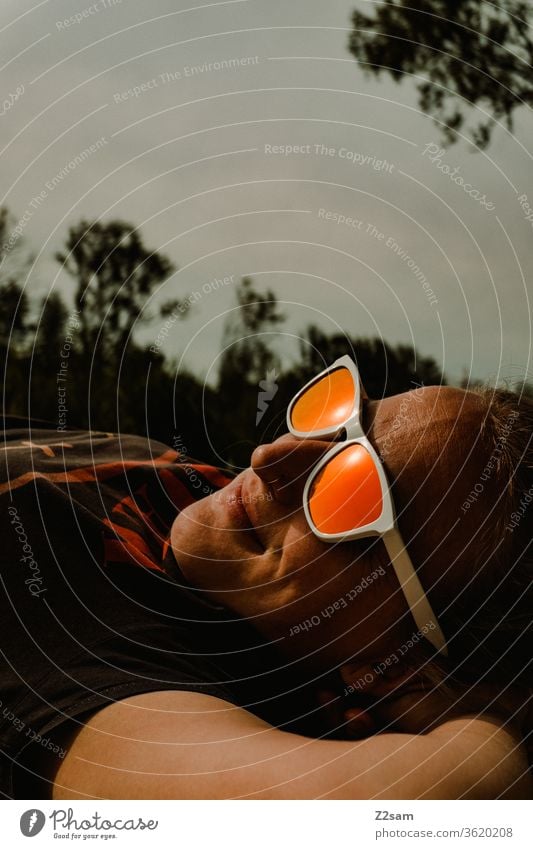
(326, 404)
(346, 494)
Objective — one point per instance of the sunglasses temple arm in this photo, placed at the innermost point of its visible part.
(413, 591)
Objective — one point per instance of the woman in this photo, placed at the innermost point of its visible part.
(196, 679)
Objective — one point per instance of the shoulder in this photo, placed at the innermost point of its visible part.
(184, 745)
(493, 757)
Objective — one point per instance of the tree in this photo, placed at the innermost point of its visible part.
(14, 331)
(247, 364)
(50, 329)
(385, 370)
(115, 275)
(15, 328)
(14, 306)
(44, 361)
(13, 316)
(246, 354)
(470, 52)
(14, 260)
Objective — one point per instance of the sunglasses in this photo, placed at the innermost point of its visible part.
(347, 495)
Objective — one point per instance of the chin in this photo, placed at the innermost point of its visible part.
(196, 547)
(187, 538)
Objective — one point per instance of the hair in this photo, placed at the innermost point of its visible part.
(499, 632)
(489, 620)
(490, 624)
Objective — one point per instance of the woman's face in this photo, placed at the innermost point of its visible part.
(249, 546)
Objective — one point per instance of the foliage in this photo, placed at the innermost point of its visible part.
(469, 53)
(247, 357)
(115, 275)
(111, 382)
(384, 370)
(14, 307)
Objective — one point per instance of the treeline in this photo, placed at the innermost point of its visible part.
(81, 364)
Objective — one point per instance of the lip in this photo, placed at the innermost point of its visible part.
(238, 514)
(235, 506)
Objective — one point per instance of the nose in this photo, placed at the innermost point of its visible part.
(284, 465)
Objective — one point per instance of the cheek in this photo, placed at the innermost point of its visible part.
(300, 561)
(343, 586)
(337, 618)
(328, 628)
(315, 575)
(191, 526)
(195, 539)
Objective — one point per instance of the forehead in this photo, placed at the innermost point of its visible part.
(432, 444)
(423, 424)
(444, 404)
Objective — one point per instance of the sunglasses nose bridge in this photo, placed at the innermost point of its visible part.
(354, 429)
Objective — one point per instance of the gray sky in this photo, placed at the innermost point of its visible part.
(191, 159)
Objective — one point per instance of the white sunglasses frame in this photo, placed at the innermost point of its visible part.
(386, 525)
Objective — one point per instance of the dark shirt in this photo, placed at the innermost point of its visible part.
(93, 607)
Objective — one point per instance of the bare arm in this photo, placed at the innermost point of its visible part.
(182, 745)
